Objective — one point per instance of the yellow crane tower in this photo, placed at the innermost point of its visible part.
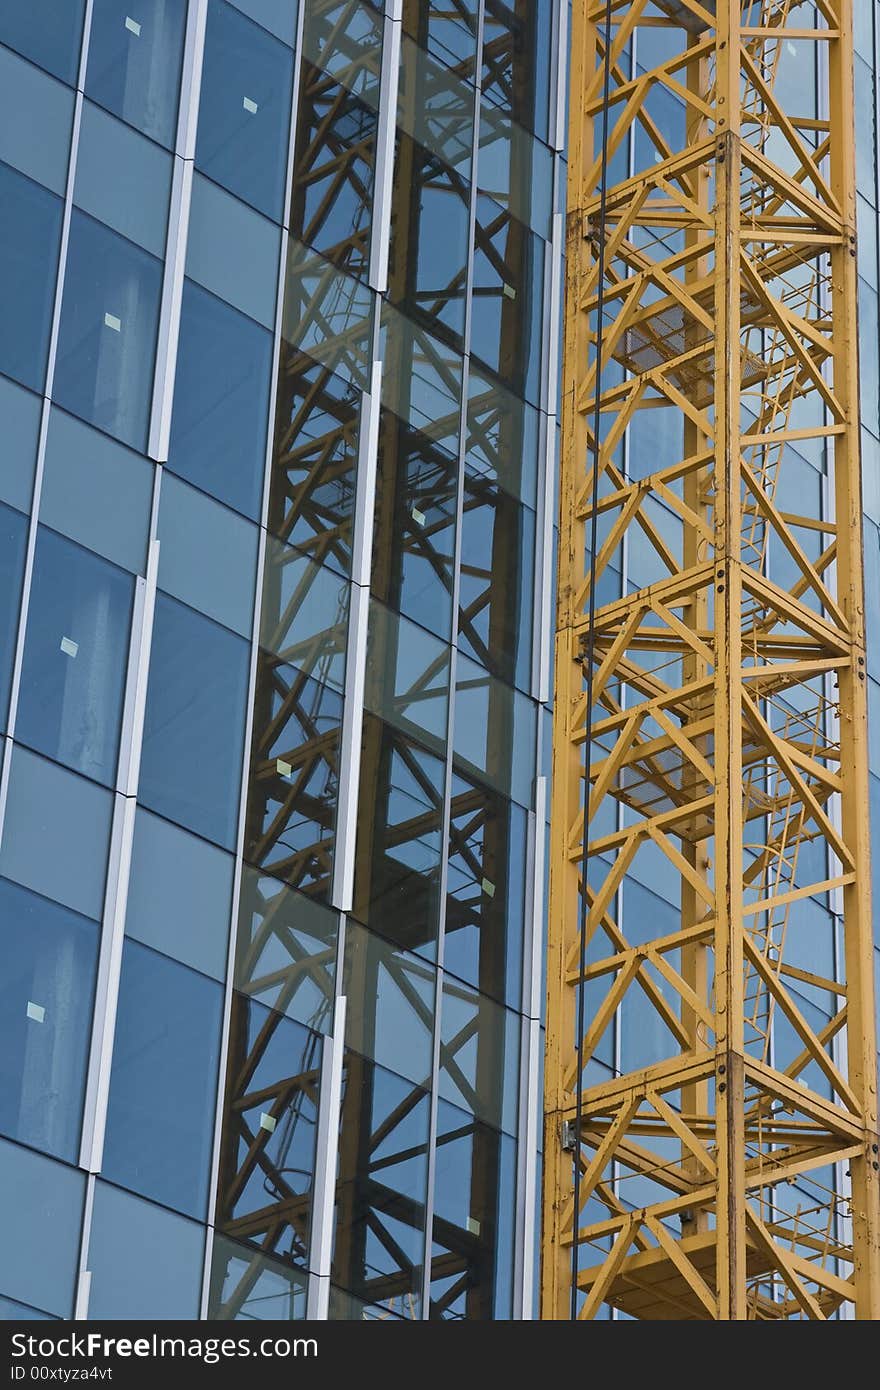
(720, 1160)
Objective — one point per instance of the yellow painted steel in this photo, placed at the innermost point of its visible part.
(727, 1147)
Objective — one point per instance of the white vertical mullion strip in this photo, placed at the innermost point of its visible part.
(178, 225)
(367, 467)
(356, 645)
(385, 141)
(119, 866)
(350, 747)
(530, 1106)
(191, 79)
(327, 1146)
(545, 550)
(220, 1096)
(107, 986)
(64, 241)
(342, 891)
(165, 370)
(450, 715)
(133, 719)
(559, 79)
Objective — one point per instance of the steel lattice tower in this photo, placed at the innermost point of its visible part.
(736, 1174)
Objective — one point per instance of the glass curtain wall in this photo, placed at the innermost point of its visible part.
(278, 394)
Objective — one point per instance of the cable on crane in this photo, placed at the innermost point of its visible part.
(588, 656)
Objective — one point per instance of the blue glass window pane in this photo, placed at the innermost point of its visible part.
(194, 725)
(218, 426)
(46, 989)
(233, 251)
(207, 555)
(96, 492)
(42, 1218)
(10, 1311)
(19, 428)
(75, 657)
(179, 894)
(36, 114)
(107, 341)
(13, 540)
(160, 1116)
(134, 62)
(146, 1263)
(245, 109)
(56, 833)
(122, 179)
(45, 32)
(278, 16)
(30, 234)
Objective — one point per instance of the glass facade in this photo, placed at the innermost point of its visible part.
(278, 379)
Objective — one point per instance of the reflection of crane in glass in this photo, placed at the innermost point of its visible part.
(297, 1177)
(380, 1207)
(309, 714)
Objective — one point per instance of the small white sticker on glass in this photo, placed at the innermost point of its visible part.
(282, 767)
(35, 1012)
(418, 517)
(69, 647)
(488, 888)
(250, 106)
(113, 322)
(132, 26)
(268, 1122)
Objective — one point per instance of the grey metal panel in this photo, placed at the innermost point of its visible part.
(384, 172)
(356, 648)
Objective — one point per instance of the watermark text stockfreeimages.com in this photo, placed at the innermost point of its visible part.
(94, 1345)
